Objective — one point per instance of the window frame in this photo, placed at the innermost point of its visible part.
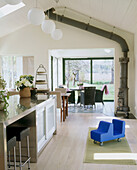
(91, 61)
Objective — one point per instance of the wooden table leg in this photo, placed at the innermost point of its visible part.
(66, 106)
(64, 114)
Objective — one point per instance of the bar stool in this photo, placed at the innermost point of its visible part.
(11, 144)
(21, 133)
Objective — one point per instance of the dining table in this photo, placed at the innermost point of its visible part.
(77, 91)
(65, 97)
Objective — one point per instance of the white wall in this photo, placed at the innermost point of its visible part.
(31, 41)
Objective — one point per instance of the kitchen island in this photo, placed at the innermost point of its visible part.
(38, 113)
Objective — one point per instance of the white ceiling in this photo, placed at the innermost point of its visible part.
(119, 13)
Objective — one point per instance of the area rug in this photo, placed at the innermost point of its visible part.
(108, 147)
(78, 109)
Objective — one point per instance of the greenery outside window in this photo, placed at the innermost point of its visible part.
(12, 68)
(90, 72)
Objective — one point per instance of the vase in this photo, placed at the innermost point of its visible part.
(81, 87)
(25, 92)
(25, 102)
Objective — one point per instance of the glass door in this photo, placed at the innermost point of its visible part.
(77, 71)
(103, 74)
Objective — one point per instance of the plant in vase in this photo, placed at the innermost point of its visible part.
(30, 78)
(3, 95)
(80, 84)
(24, 84)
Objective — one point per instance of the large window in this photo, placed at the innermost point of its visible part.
(103, 73)
(14, 66)
(90, 72)
(11, 69)
(77, 71)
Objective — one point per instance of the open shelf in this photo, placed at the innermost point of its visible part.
(41, 79)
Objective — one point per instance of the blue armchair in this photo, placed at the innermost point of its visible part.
(108, 131)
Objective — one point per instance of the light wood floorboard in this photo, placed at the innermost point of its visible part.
(66, 150)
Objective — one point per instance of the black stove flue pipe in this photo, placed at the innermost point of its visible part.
(123, 90)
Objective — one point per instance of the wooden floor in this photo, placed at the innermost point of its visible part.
(66, 149)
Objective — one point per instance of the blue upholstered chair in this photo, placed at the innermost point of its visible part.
(108, 131)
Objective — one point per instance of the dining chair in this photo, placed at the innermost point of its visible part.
(99, 96)
(71, 99)
(59, 101)
(88, 96)
(62, 90)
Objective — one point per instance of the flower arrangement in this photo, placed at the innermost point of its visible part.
(30, 78)
(80, 84)
(24, 81)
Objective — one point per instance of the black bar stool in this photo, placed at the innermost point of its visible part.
(21, 133)
(11, 144)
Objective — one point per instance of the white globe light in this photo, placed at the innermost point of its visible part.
(36, 16)
(13, 2)
(48, 26)
(57, 34)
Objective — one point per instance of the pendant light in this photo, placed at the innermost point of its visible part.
(36, 15)
(13, 2)
(48, 26)
(57, 34)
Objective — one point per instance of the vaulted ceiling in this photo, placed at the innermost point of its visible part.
(119, 13)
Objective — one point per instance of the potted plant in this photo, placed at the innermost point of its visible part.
(3, 95)
(80, 85)
(30, 78)
(24, 84)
